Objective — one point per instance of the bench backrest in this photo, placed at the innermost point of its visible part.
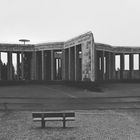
(52, 114)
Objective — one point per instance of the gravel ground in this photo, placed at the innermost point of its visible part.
(89, 125)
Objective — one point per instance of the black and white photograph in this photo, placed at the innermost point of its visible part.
(69, 70)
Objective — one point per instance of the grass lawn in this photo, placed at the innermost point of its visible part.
(89, 125)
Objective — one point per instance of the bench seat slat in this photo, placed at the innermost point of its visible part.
(50, 114)
(55, 119)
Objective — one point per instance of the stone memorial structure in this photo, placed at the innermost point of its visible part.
(78, 59)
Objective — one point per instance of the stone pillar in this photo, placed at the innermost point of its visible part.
(107, 66)
(139, 61)
(42, 57)
(9, 66)
(110, 66)
(72, 64)
(63, 65)
(0, 65)
(139, 65)
(97, 65)
(69, 62)
(75, 59)
(102, 65)
(18, 66)
(113, 66)
(45, 65)
(37, 65)
(22, 65)
(131, 64)
(52, 65)
(33, 66)
(121, 65)
(77, 65)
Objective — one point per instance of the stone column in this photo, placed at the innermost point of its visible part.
(9, 66)
(131, 64)
(22, 65)
(45, 65)
(75, 59)
(52, 65)
(121, 65)
(102, 65)
(0, 65)
(63, 65)
(42, 57)
(139, 61)
(72, 64)
(107, 66)
(97, 66)
(69, 62)
(37, 64)
(113, 65)
(18, 65)
(33, 66)
(139, 65)
(110, 66)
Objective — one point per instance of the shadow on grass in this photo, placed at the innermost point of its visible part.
(58, 128)
(87, 85)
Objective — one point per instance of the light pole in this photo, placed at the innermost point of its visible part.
(24, 40)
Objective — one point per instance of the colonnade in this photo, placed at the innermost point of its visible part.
(35, 65)
(66, 64)
(72, 63)
(10, 67)
(45, 65)
(133, 74)
(106, 66)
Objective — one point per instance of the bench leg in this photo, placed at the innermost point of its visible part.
(64, 124)
(43, 124)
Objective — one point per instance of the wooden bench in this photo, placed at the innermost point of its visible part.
(53, 116)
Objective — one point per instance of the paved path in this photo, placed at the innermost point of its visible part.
(68, 103)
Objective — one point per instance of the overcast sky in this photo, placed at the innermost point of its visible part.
(115, 22)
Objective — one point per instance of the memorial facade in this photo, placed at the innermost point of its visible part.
(78, 59)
